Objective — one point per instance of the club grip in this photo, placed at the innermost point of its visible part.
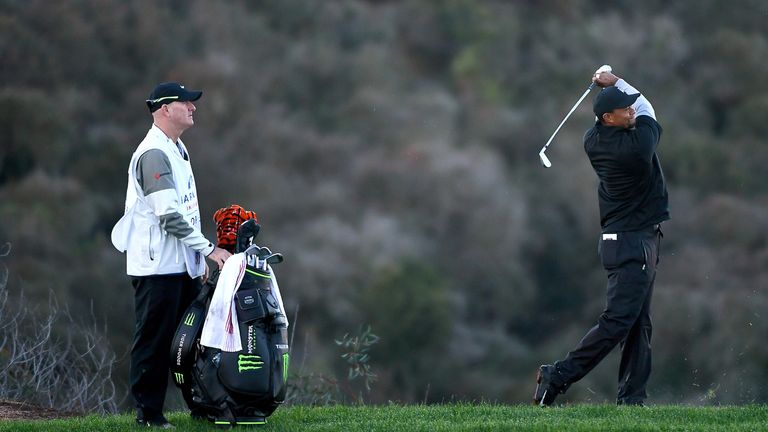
(601, 69)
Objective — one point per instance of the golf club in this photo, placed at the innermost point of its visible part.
(246, 234)
(275, 258)
(544, 159)
(264, 252)
(253, 250)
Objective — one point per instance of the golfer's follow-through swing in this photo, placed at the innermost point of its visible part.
(633, 201)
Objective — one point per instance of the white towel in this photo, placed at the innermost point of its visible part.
(276, 290)
(221, 329)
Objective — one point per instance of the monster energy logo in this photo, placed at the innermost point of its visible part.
(286, 359)
(246, 362)
(179, 377)
(189, 319)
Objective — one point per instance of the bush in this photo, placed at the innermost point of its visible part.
(50, 359)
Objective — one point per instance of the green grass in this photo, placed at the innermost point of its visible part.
(456, 417)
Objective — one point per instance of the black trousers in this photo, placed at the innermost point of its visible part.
(160, 302)
(630, 259)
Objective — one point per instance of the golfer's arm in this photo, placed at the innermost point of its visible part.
(156, 181)
(641, 105)
(647, 134)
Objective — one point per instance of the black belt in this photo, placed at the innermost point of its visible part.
(652, 228)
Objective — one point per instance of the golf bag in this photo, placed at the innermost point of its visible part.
(246, 386)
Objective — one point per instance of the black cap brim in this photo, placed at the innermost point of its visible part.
(629, 100)
(611, 98)
(191, 96)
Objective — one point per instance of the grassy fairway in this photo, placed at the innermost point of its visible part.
(458, 417)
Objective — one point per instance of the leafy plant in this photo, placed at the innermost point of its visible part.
(356, 349)
(317, 389)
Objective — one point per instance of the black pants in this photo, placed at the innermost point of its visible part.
(630, 259)
(160, 302)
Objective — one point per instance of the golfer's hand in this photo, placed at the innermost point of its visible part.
(604, 79)
(218, 256)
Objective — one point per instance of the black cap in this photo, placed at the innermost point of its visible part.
(168, 92)
(611, 98)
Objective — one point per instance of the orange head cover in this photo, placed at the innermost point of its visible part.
(228, 220)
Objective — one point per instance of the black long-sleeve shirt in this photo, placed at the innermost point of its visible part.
(632, 192)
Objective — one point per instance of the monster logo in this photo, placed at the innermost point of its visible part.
(190, 319)
(286, 359)
(246, 362)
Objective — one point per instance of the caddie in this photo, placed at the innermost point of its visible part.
(165, 248)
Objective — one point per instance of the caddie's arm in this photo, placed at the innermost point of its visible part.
(155, 177)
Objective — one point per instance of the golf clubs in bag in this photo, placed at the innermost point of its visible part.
(245, 386)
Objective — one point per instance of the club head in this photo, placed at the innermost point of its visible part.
(253, 250)
(246, 233)
(544, 160)
(264, 252)
(275, 258)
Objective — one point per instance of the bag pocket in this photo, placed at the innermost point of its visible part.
(281, 361)
(248, 371)
(249, 306)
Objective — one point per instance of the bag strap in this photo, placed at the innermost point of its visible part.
(184, 340)
(204, 295)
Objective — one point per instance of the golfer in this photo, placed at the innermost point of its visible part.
(633, 202)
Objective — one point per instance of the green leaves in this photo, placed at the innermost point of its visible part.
(356, 349)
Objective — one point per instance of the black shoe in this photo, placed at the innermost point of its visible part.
(158, 422)
(546, 392)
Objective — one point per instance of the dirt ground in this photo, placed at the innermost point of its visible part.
(10, 410)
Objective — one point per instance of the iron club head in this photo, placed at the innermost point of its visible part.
(544, 160)
(275, 258)
(253, 250)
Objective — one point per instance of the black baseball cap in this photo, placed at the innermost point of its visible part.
(168, 92)
(611, 98)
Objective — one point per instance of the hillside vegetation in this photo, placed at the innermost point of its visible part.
(389, 149)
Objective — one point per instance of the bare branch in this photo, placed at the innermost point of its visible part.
(53, 360)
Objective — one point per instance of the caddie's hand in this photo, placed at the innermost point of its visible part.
(604, 79)
(219, 255)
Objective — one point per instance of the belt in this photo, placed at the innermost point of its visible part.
(651, 228)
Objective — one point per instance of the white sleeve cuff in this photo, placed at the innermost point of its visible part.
(625, 87)
(641, 106)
